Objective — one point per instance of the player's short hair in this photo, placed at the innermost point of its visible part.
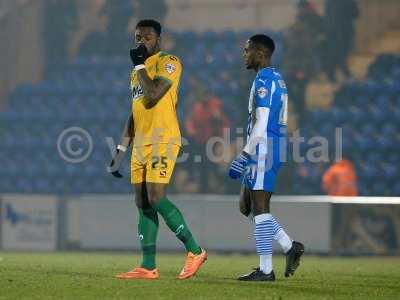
(150, 23)
(264, 41)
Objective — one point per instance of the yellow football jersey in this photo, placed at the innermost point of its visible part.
(157, 124)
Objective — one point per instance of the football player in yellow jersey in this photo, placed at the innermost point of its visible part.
(153, 131)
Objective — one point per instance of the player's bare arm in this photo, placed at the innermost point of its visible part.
(127, 133)
(153, 89)
(126, 140)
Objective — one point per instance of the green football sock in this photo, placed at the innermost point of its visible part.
(175, 221)
(148, 229)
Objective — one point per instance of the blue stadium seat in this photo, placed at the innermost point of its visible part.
(396, 189)
(93, 93)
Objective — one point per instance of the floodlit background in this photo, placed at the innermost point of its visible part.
(65, 88)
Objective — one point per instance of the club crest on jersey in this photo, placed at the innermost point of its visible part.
(170, 68)
(262, 92)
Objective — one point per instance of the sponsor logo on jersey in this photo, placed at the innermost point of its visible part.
(262, 92)
(137, 92)
(170, 68)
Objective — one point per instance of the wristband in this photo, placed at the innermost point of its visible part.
(139, 67)
(122, 148)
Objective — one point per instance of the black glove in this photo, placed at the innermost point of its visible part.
(138, 55)
(116, 163)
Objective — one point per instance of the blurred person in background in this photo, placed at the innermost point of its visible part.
(111, 36)
(303, 44)
(340, 17)
(315, 26)
(119, 12)
(340, 179)
(206, 120)
(96, 42)
(61, 20)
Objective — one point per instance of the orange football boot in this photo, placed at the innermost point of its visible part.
(192, 264)
(140, 273)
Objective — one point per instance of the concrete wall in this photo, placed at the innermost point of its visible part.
(111, 223)
(329, 225)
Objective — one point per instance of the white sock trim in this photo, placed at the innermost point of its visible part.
(266, 263)
(284, 240)
(262, 218)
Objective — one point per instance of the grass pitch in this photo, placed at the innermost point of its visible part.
(91, 276)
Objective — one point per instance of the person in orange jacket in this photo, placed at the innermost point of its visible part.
(340, 179)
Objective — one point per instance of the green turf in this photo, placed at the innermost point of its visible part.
(91, 276)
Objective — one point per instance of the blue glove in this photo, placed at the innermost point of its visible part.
(238, 165)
